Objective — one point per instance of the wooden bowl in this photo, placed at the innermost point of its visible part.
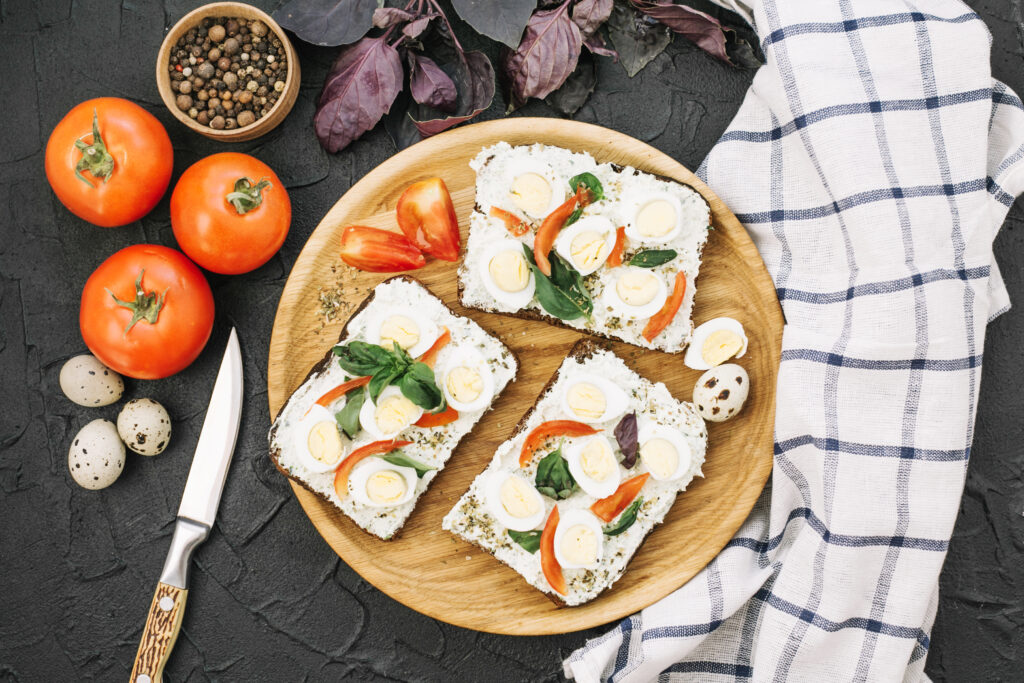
(234, 10)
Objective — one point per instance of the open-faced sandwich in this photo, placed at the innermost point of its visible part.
(587, 474)
(601, 248)
(379, 416)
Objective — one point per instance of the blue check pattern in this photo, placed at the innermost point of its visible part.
(873, 162)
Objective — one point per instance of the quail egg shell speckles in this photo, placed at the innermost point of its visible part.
(96, 456)
(506, 274)
(587, 243)
(591, 398)
(721, 392)
(593, 465)
(319, 443)
(145, 426)
(656, 219)
(715, 342)
(390, 415)
(88, 382)
(579, 539)
(635, 293)
(664, 452)
(514, 502)
(413, 331)
(534, 188)
(467, 381)
(378, 483)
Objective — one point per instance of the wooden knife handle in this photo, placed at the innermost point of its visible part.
(162, 626)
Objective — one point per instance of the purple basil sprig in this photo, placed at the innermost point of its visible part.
(626, 435)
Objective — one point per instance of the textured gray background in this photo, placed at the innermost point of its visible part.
(270, 601)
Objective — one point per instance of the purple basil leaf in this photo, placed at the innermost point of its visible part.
(626, 435)
(360, 87)
(637, 38)
(597, 46)
(399, 124)
(473, 76)
(386, 17)
(430, 85)
(546, 57)
(327, 22)
(590, 14)
(577, 88)
(501, 20)
(703, 29)
(414, 28)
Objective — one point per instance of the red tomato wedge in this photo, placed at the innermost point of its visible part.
(445, 417)
(660, 320)
(611, 507)
(340, 390)
(427, 217)
(430, 355)
(379, 251)
(615, 258)
(552, 225)
(548, 563)
(545, 430)
(516, 225)
(357, 456)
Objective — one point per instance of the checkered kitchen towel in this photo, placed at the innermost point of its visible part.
(873, 161)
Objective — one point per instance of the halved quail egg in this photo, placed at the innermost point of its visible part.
(467, 381)
(635, 292)
(514, 501)
(506, 274)
(664, 451)
(413, 331)
(593, 465)
(378, 483)
(657, 219)
(715, 342)
(390, 415)
(579, 539)
(591, 398)
(587, 243)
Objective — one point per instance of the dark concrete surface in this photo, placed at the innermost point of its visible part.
(269, 599)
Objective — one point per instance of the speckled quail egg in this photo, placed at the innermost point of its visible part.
(96, 456)
(715, 342)
(413, 331)
(378, 483)
(636, 293)
(145, 426)
(721, 392)
(467, 381)
(664, 451)
(88, 382)
(587, 243)
(657, 219)
(579, 539)
(390, 415)
(506, 274)
(534, 188)
(591, 398)
(514, 501)
(593, 465)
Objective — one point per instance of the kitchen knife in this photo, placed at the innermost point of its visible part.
(195, 516)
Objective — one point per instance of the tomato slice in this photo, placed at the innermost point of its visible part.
(340, 390)
(546, 430)
(552, 225)
(660, 320)
(357, 456)
(548, 562)
(611, 507)
(615, 258)
(427, 217)
(515, 225)
(447, 416)
(430, 355)
(379, 251)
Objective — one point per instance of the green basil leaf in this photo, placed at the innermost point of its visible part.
(381, 380)
(553, 478)
(574, 216)
(400, 459)
(361, 358)
(652, 258)
(626, 519)
(569, 280)
(552, 299)
(530, 540)
(348, 416)
(590, 181)
(418, 385)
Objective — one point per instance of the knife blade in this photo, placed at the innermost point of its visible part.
(196, 514)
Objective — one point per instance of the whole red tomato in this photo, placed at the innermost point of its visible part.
(109, 161)
(230, 213)
(146, 312)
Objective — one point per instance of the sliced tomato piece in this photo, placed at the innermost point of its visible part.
(445, 417)
(551, 226)
(515, 225)
(611, 507)
(427, 217)
(545, 430)
(660, 320)
(615, 258)
(340, 390)
(430, 355)
(379, 251)
(357, 456)
(548, 562)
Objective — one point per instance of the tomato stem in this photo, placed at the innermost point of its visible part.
(246, 196)
(146, 306)
(95, 157)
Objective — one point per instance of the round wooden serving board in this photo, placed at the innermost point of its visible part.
(428, 569)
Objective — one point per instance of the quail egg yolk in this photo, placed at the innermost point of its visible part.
(385, 487)
(401, 329)
(394, 414)
(720, 346)
(586, 400)
(637, 288)
(579, 545)
(464, 384)
(587, 249)
(531, 192)
(597, 461)
(660, 457)
(516, 498)
(655, 218)
(509, 271)
(324, 442)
